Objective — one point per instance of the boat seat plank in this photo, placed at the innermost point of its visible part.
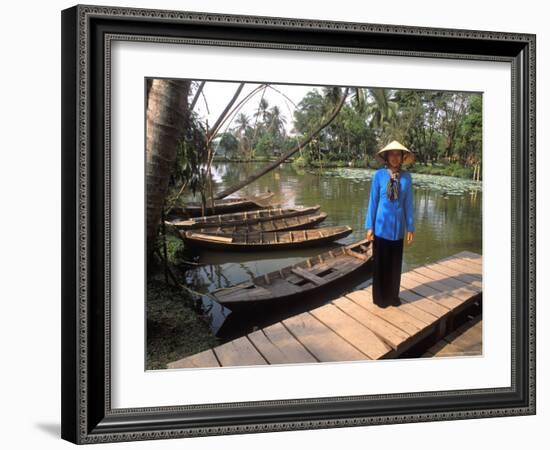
(243, 294)
(282, 286)
(212, 237)
(308, 276)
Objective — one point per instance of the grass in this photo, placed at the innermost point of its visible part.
(332, 164)
(175, 328)
(451, 170)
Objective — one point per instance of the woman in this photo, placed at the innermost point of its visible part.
(390, 211)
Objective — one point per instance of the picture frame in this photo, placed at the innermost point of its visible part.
(87, 35)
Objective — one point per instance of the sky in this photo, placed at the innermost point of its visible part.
(218, 94)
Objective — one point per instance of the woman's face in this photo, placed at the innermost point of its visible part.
(395, 158)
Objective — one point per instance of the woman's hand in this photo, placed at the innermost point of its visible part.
(410, 236)
(369, 235)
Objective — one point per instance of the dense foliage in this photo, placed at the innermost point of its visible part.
(439, 126)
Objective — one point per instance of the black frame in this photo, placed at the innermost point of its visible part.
(87, 416)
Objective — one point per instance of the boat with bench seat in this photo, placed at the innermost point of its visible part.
(291, 283)
(264, 240)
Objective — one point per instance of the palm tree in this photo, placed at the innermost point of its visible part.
(167, 113)
(261, 113)
(382, 110)
(242, 126)
(276, 122)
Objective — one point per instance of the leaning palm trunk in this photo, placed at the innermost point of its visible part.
(166, 112)
(286, 155)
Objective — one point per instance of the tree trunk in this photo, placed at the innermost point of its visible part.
(286, 155)
(167, 109)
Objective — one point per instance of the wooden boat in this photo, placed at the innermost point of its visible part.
(241, 218)
(271, 240)
(292, 282)
(225, 206)
(284, 224)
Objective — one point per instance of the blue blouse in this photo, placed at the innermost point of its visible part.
(385, 217)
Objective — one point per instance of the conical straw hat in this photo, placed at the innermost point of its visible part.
(408, 156)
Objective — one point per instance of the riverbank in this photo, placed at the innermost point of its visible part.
(444, 169)
(175, 329)
(176, 326)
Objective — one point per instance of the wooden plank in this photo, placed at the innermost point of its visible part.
(449, 281)
(469, 335)
(293, 350)
(211, 237)
(444, 348)
(387, 332)
(411, 307)
(320, 340)
(239, 352)
(257, 292)
(459, 275)
(392, 314)
(202, 359)
(469, 341)
(282, 286)
(271, 353)
(434, 295)
(460, 294)
(474, 257)
(422, 303)
(464, 341)
(352, 331)
(308, 276)
(353, 327)
(463, 266)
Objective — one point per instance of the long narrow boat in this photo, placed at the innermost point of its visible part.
(291, 283)
(241, 218)
(259, 240)
(225, 206)
(284, 224)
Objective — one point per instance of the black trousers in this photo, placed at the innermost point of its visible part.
(387, 260)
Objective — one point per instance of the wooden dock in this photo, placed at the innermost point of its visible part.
(353, 328)
(466, 340)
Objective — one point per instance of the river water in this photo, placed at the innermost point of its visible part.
(447, 212)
